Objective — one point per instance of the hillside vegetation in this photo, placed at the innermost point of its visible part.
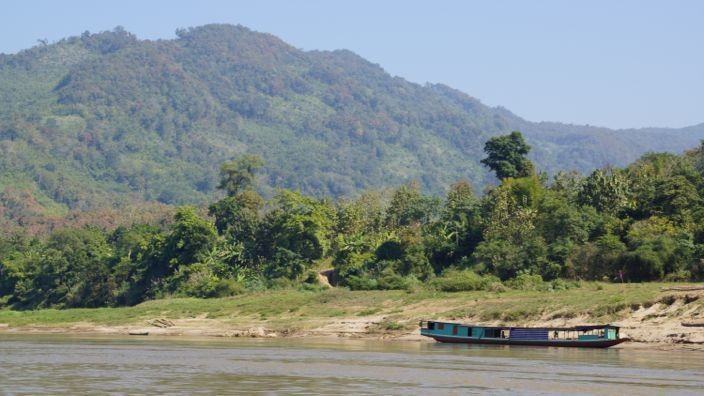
(644, 222)
(96, 125)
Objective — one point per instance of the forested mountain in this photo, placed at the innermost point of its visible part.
(102, 120)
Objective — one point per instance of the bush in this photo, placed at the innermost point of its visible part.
(388, 281)
(528, 282)
(282, 283)
(389, 250)
(679, 276)
(311, 277)
(561, 284)
(392, 326)
(397, 282)
(455, 280)
(643, 264)
(208, 286)
(285, 264)
(362, 283)
(312, 287)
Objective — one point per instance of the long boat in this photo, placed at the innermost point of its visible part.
(592, 336)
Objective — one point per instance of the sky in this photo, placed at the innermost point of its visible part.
(610, 63)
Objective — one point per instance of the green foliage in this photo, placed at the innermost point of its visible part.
(190, 238)
(506, 156)
(528, 282)
(238, 216)
(238, 175)
(203, 283)
(105, 120)
(642, 223)
(408, 206)
(597, 260)
(607, 190)
(454, 280)
(302, 225)
(71, 270)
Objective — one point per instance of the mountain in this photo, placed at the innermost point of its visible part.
(101, 120)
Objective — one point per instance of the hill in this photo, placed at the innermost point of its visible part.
(105, 120)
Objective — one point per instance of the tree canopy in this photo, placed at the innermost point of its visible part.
(634, 224)
(507, 156)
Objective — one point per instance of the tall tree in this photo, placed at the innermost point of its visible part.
(506, 155)
(238, 175)
(606, 190)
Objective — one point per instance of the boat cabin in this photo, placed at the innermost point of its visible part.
(592, 335)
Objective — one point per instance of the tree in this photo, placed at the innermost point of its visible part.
(459, 229)
(607, 190)
(511, 244)
(668, 248)
(138, 262)
(506, 156)
(190, 238)
(299, 227)
(237, 216)
(70, 270)
(598, 260)
(239, 175)
(408, 206)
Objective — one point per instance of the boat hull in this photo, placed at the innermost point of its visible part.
(544, 343)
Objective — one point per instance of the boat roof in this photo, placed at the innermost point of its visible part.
(573, 328)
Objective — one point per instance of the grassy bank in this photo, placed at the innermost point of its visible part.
(369, 313)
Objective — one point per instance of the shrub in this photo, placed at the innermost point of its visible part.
(396, 282)
(679, 276)
(361, 283)
(643, 264)
(390, 325)
(282, 283)
(455, 280)
(207, 286)
(561, 284)
(389, 250)
(311, 277)
(314, 287)
(528, 282)
(285, 264)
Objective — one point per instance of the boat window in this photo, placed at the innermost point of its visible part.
(469, 331)
(431, 325)
(441, 326)
(454, 330)
(492, 333)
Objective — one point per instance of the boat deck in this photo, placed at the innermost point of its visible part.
(592, 336)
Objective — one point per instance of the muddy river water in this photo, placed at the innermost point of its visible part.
(53, 364)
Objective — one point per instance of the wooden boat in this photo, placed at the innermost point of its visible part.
(594, 336)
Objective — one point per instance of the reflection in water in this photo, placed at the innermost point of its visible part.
(62, 364)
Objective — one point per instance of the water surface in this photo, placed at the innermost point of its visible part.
(146, 365)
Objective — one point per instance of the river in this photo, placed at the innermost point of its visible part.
(144, 365)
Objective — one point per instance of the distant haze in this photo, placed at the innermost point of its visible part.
(615, 64)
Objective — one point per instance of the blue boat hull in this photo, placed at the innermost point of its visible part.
(602, 343)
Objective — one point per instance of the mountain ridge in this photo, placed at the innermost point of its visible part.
(100, 120)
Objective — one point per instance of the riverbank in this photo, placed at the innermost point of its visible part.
(649, 313)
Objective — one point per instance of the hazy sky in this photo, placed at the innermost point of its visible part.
(608, 63)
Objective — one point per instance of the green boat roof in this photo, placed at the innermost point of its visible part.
(573, 328)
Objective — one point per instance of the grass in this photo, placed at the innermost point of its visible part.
(295, 309)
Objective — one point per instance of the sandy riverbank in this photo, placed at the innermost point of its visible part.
(210, 330)
(649, 314)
